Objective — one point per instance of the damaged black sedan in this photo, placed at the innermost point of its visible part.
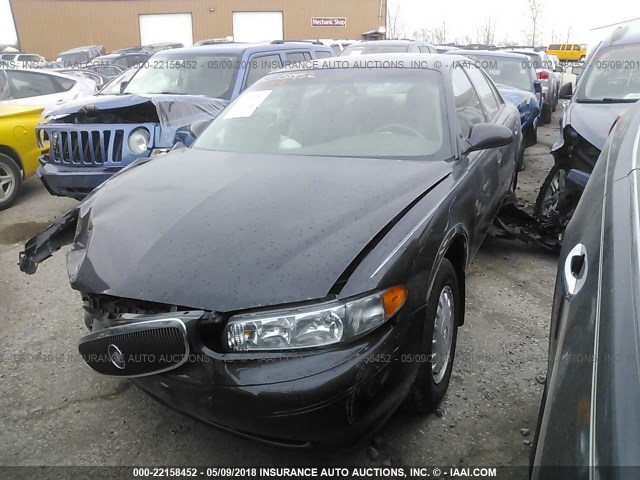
(299, 272)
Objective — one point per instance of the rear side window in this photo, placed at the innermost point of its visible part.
(468, 108)
(576, 47)
(31, 84)
(296, 57)
(487, 97)
(323, 54)
(66, 84)
(259, 66)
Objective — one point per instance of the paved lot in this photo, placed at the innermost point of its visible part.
(58, 412)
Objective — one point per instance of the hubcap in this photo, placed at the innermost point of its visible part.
(7, 183)
(551, 195)
(442, 334)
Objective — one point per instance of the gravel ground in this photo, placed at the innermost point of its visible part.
(58, 412)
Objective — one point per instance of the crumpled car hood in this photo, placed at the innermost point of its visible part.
(228, 231)
(594, 120)
(101, 102)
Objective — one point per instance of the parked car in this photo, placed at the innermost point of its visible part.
(151, 110)
(516, 80)
(19, 150)
(388, 46)
(568, 52)
(314, 242)
(158, 47)
(19, 60)
(78, 57)
(44, 88)
(337, 46)
(545, 70)
(607, 88)
(589, 421)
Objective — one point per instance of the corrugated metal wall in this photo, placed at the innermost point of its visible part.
(48, 27)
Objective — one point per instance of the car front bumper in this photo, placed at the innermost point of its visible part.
(329, 398)
(72, 181)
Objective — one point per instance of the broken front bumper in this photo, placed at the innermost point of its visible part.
(72, 181)
(329, 398)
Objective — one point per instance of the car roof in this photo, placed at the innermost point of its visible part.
(45, 71)
(230, 47)
(431, 61)
(386, 42)
(490, 53)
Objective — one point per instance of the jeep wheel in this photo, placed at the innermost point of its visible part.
(10, 181)
(442, 317)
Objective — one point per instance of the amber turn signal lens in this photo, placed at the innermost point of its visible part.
(392, 299)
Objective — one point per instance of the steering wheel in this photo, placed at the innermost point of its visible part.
(398, 127)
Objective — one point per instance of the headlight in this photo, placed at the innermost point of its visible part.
(138, 140)
(315, 326)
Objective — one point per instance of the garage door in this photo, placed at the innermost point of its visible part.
(169, 27)
(257, 26)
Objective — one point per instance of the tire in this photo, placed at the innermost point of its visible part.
(429, 388)
(545, 117)
(531, 136)
(550, 187)
(10, 181)
(582, 58)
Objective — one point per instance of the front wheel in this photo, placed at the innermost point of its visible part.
(546, 115)
(10, 181)
(548, 196)
(442, 317)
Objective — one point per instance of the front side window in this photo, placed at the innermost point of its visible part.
(338, 113)
(209, 75)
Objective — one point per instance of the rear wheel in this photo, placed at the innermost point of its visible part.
(582, 58)
(10, 181)
(442, 317)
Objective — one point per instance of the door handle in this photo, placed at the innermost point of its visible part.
(59, 101)
(575, 270)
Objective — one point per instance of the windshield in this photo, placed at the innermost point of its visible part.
(340, 113)
(614, 75)
(512, 72)
(210, 75)
(368, 49)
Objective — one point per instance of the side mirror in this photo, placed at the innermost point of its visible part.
(200, 126)
(577, 180)
(488, 135)
(576, 70)
(566, 90)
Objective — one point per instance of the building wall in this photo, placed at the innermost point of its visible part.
(48, 27)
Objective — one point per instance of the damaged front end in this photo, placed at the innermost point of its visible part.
(87, 143)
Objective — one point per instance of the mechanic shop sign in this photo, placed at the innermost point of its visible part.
(328, 21)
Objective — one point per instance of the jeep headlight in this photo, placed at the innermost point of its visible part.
(139, 140)
(314, 326)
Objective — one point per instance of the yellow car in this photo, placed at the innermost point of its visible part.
(19, 150)
(568, 52)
